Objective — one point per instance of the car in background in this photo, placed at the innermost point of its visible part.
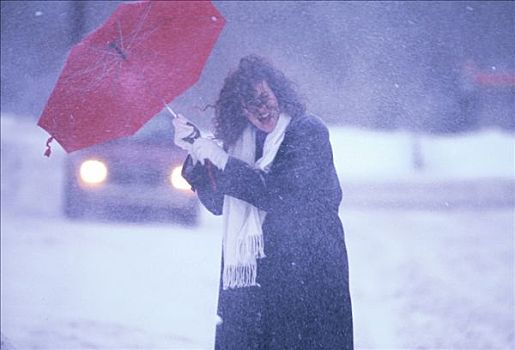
(135, 178)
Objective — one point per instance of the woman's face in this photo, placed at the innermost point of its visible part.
(263, 110)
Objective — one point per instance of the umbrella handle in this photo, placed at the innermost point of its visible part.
(195, 134)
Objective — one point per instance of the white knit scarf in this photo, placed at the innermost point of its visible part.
(243, 233)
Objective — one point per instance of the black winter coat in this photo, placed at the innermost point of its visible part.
(303, 301)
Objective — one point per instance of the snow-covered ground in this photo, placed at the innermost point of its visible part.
(420, 278)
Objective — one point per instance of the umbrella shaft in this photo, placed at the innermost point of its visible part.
(170, 110)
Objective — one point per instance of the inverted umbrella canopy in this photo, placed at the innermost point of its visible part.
(120, 76)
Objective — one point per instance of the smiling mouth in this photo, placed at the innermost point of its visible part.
(265, 117)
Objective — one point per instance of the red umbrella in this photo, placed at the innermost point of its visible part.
(125, 72)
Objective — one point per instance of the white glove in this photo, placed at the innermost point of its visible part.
(182, 130)
(208, 149)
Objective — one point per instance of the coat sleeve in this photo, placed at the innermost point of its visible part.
(302, 172)
(203, 180)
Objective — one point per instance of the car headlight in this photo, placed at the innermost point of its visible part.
(177, 180)
(93, 172)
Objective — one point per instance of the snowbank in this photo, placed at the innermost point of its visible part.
(364, 155)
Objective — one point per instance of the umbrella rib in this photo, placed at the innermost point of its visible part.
(104, 51)
(144, 36)
(120, 31)
(80, 74)
(93, 84)
(140, 24)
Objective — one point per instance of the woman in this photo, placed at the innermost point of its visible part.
(284, 282)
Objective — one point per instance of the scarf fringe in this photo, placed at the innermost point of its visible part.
(244, 274)
(239, 276)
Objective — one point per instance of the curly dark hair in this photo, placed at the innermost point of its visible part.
(239, 86)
